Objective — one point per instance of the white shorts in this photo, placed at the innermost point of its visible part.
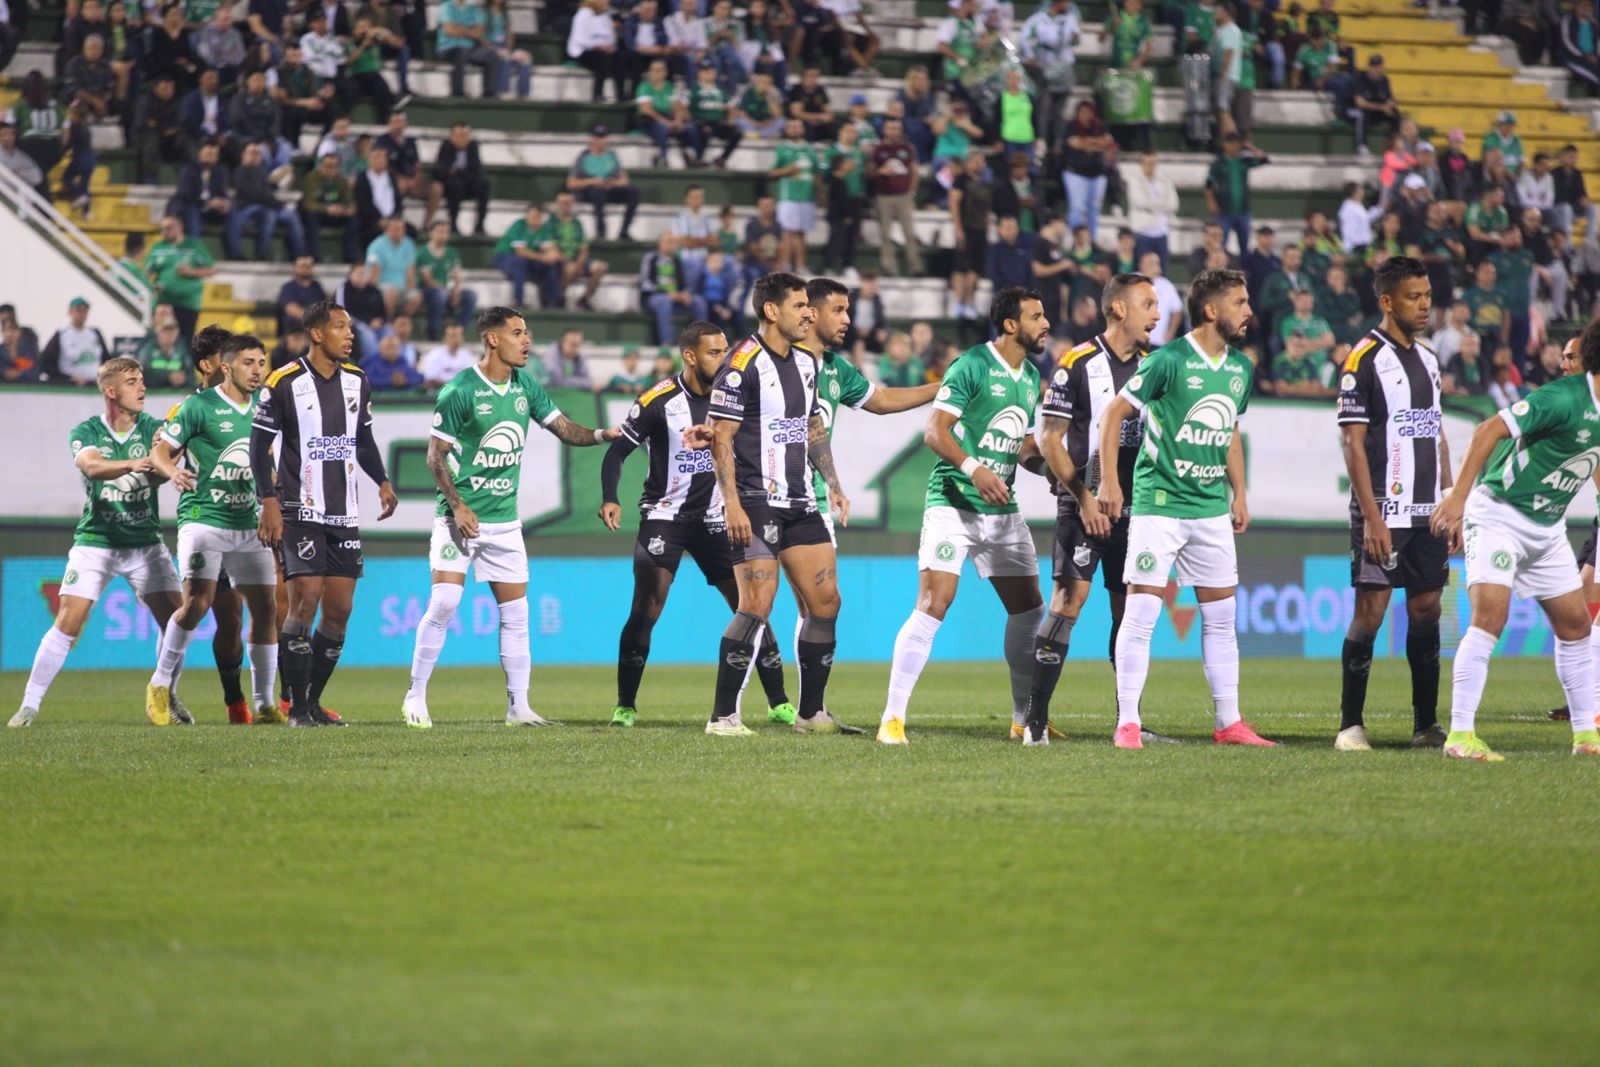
(1000, 546)
(91, 568)
(498, 553)
(1202, 549)
(795, 217)
(1505, 547)
(204, 550)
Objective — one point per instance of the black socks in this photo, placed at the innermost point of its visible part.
(816, 646)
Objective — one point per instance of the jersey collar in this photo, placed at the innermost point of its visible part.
(119, 438)
(1392, 342)
(501, 388)
(1214, 364)
(224, 396)
(1015, 372)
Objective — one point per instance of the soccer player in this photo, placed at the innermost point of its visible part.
(1081, 387)
(767, 426)
(840, 383)
(1399, 464)
(217, 523)
(680, 511)
(1191, 392)
(1572, 364)
(480, 425)
(1508, 506)
(119, 533)
(981, 428)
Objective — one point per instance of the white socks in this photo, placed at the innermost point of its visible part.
(1133, 653)
(263, 674)
(174, 645)
(53, 649)
(1020, 629)
(1575, 671)
(1219, 652)
(431, 629)
(1468, 674)
(912, 646)
(515, 657)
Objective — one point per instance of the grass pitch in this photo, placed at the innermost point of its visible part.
(477, 894)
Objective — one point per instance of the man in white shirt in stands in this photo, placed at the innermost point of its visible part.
(74, 353)
(1168, 302)
(696, 229)
(1355, 219)
(447, 360)
(1152, 205)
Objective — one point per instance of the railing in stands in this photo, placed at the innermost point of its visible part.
(98, 268)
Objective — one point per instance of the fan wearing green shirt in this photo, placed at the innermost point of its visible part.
(1131, 36)
(664, 114)
(711, 109)
(1486, 307)
(1513, 266)
(795, 168)
(178, 267)
(1228, 187)
(1504, 137)
(562, 234)
(1304, 321)
(439, 277)
(522, 255)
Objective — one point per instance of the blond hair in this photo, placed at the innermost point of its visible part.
(114, 368)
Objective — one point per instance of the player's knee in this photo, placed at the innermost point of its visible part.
(443, 600)
(1423, 610)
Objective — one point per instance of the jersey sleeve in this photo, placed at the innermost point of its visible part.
(732, 391)
(267, 417)
(854, 389)
(1355, 386)
(451, 413)
(540, 406)
(182, 424)
(81, 439)
(1152, 381)
(1540, 410)
(957, 390)
(643, 417)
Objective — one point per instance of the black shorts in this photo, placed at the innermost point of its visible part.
(1076, 554)
(1420, 562)
(315, 550)
(662, 543)
(772, 530)
(1586, 554)
(975, 256)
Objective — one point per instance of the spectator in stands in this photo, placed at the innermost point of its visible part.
(1505, 382)
(448, 359)
(845, 189)
(1466, 370)
(767, 29)
(1211, 238)
(204, 115)
(710, 111)
(89, 80)
(19, 355)
(1579, 46)
(1548, 367)
(392, 258)
(1017, 132)
(1228, 187)
(1492, 171)
(377, 196)
(1047, 48)
(724, 36)
(1277, 291)
(1088, 154)
(694, 229)
(1514, 279)
(1152, 208)
(721, 285)
(440, 279)
(364, 65)
(1504, 138)
(644, 40)
(869, 321)
(1427, 169)
(662, 293)
(303, 96)
(219, 45)
(202, 190)
(1549, 268)
(327, 198)
(1260, 263)
(592, 42)
(299, 293)
(664, 114)
(256, 118)
(157, 131)
(1083, 320)
(178, 267)
(1572, 198)
(364, 301)
(1131, 36)
(1536, 187)
(1051, 267)
(405, 163)
(1486, 222)
(686, 36)
(1355, 218)
(41, 122)
(1530, 25)
(19, 162)
(1341, 306)
(401, 328)
(323, 53)
(565, 365)
(1443, 248)
(1015, 195)
(1302, 368)
(892, 173)
(628, 379)
(1321, 244)
(458, 169)
(956, 134)
(763, 239)
(1446, 339)
(521, 255)
(1010, 261)
(808, 101)
(388, 371)
(167, 52)
(74, 352)
(566, 249)
(165, 357)
(1303, 321)
(463, 39)
(1372, 104)
(896, 367)
(971, 206)
(759, 112)
(794, 169)
(597, 177)
(1457, 171)
(1316, 63)
(256, 203)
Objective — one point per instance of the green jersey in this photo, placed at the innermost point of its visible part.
(486, 426)
(708, 103)
(123, 512)
(519, 235)
(1128, 35)
(161, 267)
(661, 97)
(1191, 406)
(994, 407)
(856, 180)
(440, 265)
(838, 382)
(215, 432)
(1552, 453)
(797, 186)
(1513, 273)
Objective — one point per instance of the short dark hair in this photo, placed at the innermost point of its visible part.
(1589, 347)
(1206, 287)
(772, 288)
(207, 343)
(1117, 289)
(689, 340)
(318, 315)
(132, 243)
(1008, 305)
(818, 290)
(1395, 270)
(496, 317)
(239, 342)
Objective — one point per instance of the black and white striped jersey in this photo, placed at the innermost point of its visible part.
(1085, 381)
(1394, 390)
(681, 485)
(772, 398)
(317, 421)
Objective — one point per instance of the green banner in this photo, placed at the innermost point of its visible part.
(1128, 97)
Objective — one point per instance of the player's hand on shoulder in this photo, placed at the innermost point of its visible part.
(611, 515)
(610, 433)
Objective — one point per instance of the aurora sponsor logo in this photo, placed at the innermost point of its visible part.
(500, 446)
(1006, 431)
(1570, 476)
(1209, 423)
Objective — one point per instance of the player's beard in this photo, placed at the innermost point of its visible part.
(1033, 346)
(1234, 334)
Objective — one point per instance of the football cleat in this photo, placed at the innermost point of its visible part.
(892, 732)
(1241, 733)
(1586, 743)
(1464, 744)
(527, 717)
(415, 709)
(239, 713)
(181, 714)
(1020, 732)
(1431, 737)
(1128, 735)
(621, 716)
(784, 713)
(1561, 714)
(732, 726)
(324, 717)
(299, 719)
(270, 714)
(1035, 735)
(24, 716)
(820, 723)
(1150, 737)
(158, 705)
(1352, 739)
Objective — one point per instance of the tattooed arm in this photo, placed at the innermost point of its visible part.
(722, 431)
(819, 448)
(439, 465)
(579, 436)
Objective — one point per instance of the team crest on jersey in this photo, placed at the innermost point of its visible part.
(769, 533)
(1501, 560)
(1146, 562)
(833, 390)
(352, 403)
(449, 552)
(745, 353)
(70, 578)
(137, 450)
(945, 551)
(77, 445)
(197, 560)
(655, 546)
(521, 405)
(306, 548)
(1236, 386)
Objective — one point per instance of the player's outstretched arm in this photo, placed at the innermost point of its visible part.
(164, 460)
(901, 398)
(819, 449)
(611, 478)
(580, 436)
(1446, 518)
(439, 467)
(942, 443)
(97, 468)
